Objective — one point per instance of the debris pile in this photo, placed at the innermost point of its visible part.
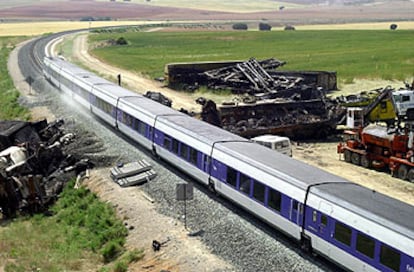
(159, 97)
(301, 119)
(250, 76)
(34, 165)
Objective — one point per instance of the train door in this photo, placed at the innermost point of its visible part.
(323, 226)
(296, 212)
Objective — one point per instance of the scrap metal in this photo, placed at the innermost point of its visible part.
(34, 165)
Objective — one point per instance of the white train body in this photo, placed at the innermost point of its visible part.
(359, 229)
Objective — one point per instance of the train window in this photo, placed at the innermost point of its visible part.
(390, 258)
(324, 220)
(193, 156)
(314, 216)
(127, 119)
(167, 142)
(258, 191)
(343, 234)
(274, 200)
(231, 177)
(175, 146)
(365, 245)
(244, 184)
(141, 128)
(184, 151)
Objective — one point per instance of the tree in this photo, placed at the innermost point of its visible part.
(121, 41)
(265, 27)
(240, 26)
(289, 27)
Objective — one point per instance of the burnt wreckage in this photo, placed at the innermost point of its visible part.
(34, 165)
(288, 103)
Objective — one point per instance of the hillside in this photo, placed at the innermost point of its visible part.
(288, 11)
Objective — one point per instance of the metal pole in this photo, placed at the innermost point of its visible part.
(185, 208)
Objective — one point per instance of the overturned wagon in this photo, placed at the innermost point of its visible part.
(302, 119)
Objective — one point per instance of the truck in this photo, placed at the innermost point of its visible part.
(278, 143)
(378, 147)
(387, 145)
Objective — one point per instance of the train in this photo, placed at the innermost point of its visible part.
(357, 228)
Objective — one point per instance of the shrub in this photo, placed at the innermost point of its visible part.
(111, 250)
(289, 27)
(121, 41)
(393, 26)
(265, 27)
(240, 26)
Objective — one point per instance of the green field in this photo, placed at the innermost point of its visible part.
(10, 108)
(365, 54)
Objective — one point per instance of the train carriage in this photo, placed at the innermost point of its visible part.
(104, 98)
(269, 184)
(365, 230)
(136, 116)
(187, 143)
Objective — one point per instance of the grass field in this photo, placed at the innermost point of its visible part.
(82, 235)
(10, 108)
(353, 54)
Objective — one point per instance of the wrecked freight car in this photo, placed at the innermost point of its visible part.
(269, 101)
(296, 119)
(34, 165)
(251, 76)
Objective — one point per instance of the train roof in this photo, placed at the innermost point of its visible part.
(113, 90)
(382, 209)
(107, 87)
(148, 106)
(201, 130)
(291, 170)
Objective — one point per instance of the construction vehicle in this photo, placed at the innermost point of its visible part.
(383, 147)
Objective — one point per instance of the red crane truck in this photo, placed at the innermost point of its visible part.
(385, 147)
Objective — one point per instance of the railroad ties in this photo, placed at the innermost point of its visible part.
(133, 173)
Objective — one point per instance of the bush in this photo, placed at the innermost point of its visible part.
(121, 41)
(265, 27)
(393, 26)
(289, 27)
(112, 250)
(240, 26)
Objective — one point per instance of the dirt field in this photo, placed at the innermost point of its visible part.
(74, 10)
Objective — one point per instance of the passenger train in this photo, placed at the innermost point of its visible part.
(357, 228)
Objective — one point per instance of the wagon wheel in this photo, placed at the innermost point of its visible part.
(365, 162)
(410, 175)
(402, 172)
(356, 158)
(347, 155)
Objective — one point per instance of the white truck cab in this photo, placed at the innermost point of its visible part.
(278, 143)
(404, 103)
